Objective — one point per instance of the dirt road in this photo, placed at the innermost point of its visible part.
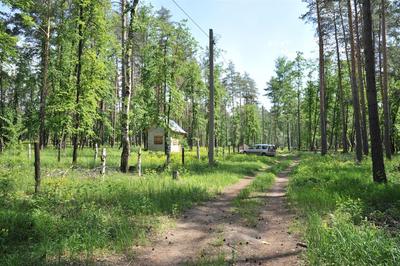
(212, 233)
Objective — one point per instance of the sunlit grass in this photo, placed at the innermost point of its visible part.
(349, 219)
(79, 214)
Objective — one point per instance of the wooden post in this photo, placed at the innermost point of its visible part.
(103, 162)
(211, 122)
(96, 151)
(37, 167)
(198, 150)
(183, 155)
(29, 151)
(139, 163)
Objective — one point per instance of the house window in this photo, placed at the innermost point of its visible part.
(158, 140)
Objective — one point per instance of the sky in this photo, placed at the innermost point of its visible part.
(253, 33)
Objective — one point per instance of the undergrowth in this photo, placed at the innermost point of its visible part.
(349, 219)
(79, 215)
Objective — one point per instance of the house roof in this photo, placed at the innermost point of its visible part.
(174, 127)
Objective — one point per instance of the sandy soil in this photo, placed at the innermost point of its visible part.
(213, 230)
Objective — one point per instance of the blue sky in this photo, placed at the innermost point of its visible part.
(252, 32)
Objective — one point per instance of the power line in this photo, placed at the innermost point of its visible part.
(194, 22)
(198, 26)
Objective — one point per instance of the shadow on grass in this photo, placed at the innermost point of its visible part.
(350, 220)
(321, 183)
(73, 217)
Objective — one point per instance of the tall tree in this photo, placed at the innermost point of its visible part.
(354, 87)
(385, 93)
(45, 29)
(378, 167)
(299, 75)
(324, 145)
(78, 76)
(340, 89)
(361, 82)
(127, 68)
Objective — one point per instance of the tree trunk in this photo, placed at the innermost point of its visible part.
(354, 88)
(78, 71)
(194, 121)
(385, 94)
(127, 68)
(378, 167)
(101, 124)
(45, 77)
(361, 84)
(310, 122)
(263, 137)
(346, 44)
(313, 146)
(288, 136)
(37, 168)
(298, 121)
(2, 102)
(341, 93)
(103, 161)
(125, 144)
(334, 125)
(324, 145)
(114, 112)
(139, 161)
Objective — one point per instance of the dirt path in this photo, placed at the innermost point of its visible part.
(213, 230)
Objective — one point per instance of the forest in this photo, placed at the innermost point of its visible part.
(123, 139)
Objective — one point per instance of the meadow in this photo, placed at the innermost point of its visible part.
(345, 218)
(80, 215)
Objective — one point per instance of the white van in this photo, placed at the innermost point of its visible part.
(261, 149)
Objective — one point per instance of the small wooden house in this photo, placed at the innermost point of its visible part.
(155, 137)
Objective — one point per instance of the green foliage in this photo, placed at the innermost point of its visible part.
(78, 214)
(12, 130)
(350, 219)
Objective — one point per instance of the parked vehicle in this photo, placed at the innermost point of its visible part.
(261, 149)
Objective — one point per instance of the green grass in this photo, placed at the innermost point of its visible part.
(349, 220)
(80, 215)
(247, 204)
(214, 261)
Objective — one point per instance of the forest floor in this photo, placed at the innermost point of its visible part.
(246, 225)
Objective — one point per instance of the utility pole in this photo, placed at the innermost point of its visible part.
(211, 122)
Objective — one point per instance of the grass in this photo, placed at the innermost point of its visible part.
(348, 219)
(79, 215)
(247, 204)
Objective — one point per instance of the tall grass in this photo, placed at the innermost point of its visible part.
(349, 219)
(79, 215)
